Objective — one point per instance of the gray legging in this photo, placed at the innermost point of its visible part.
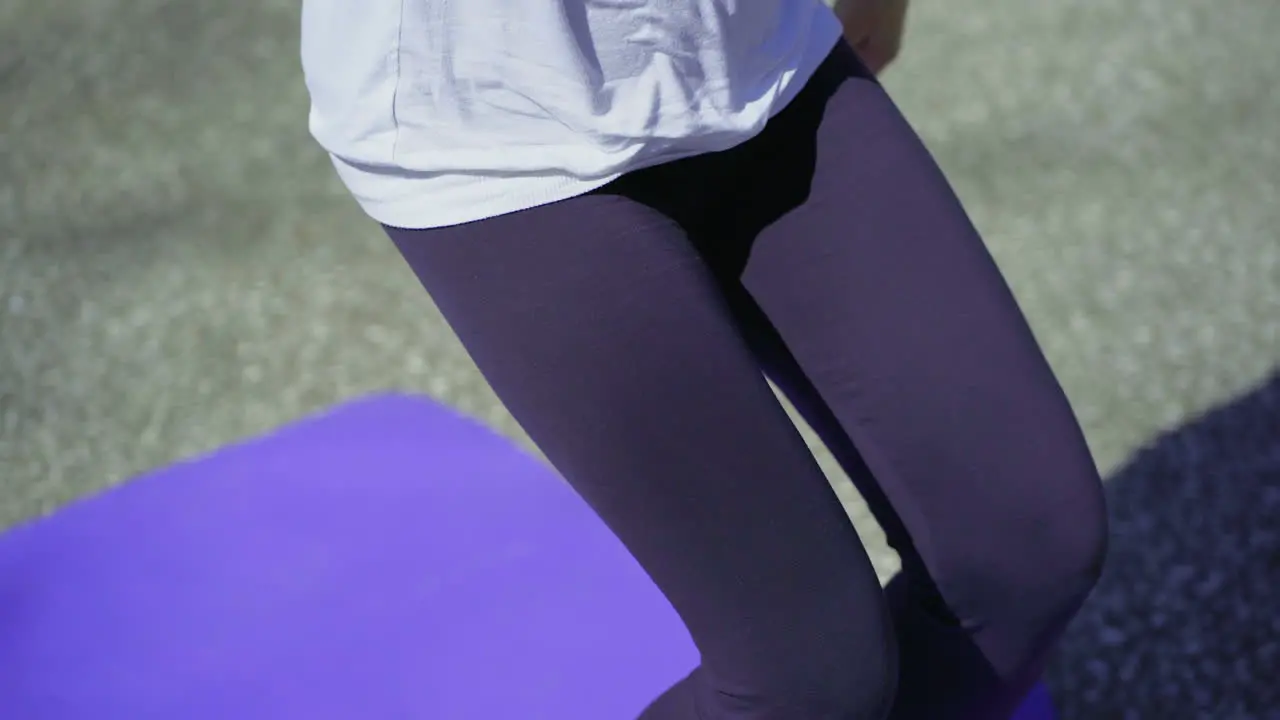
(627, 331)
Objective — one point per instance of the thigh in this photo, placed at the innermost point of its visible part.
(607, 338)
(782, 368)
(888, 300)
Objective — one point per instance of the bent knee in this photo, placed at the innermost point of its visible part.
(838, 675)
(1042, 560)
(1069, 545)
(859, 683)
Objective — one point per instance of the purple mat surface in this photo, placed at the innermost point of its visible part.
(386, 560)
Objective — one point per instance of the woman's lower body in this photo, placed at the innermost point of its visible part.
(629, 331)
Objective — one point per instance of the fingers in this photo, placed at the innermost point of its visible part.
(859, 18)
(875, 29)
(877, 55)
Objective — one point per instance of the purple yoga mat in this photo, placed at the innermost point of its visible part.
(386, 560)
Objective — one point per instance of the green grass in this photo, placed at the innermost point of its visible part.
(179, 267)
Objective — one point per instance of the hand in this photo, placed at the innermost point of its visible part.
(874, 29)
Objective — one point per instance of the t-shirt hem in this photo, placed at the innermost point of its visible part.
(414, 210)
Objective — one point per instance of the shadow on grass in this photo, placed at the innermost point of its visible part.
(1186, 620)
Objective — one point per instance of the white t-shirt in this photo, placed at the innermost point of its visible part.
(440, 112)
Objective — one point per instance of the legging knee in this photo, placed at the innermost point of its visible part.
(842, 673)
(1067, 550)
(1042, 565)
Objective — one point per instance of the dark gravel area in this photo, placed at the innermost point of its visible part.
(1186, 621)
